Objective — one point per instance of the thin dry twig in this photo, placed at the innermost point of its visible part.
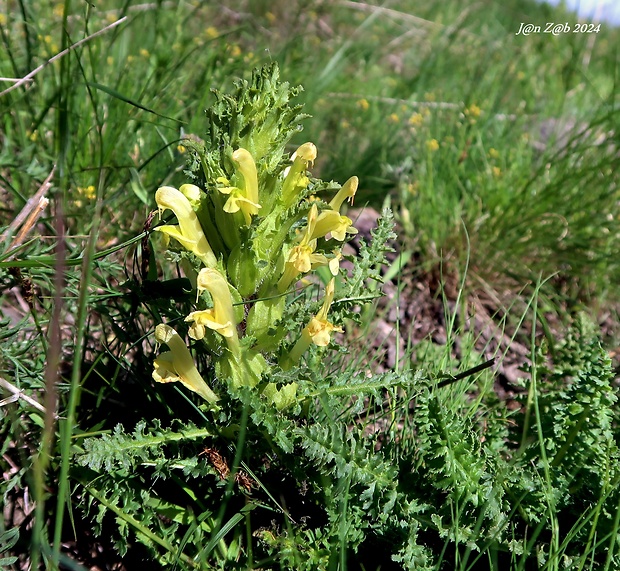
(389, 12)
(29, 214)
(64, 52)
(18, 394)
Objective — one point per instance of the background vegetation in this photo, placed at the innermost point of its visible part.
(497, 153)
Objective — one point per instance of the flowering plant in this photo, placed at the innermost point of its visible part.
(253, 228)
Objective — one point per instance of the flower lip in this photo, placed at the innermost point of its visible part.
(178, 364)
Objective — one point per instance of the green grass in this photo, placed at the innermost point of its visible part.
(438, 109)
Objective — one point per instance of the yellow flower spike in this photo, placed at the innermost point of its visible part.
(188, 232)
(178, 364)
(221, 317)
(319, 330)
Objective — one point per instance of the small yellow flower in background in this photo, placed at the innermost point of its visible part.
(235, 51)
(473, 112)
(89, 192)
(344, 124)
(188, 232)
(520, 75)
(130, 58)
(432, 145)
(144, 52)
(416, 120)
(271, 17)
(111, 17)
(181, 149)
(429, 96)
(319, 330)
(178, 364)
(221, 317)
(211, 32)
(33, 136)
(493, 153)
(363, 104)
(394, 118)
(59, 10)
(109, 60)
(413, 188)
(497, 172)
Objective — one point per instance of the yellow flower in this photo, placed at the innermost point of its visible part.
(188, 232)
(89, 192)
(493, 153)
(178, 365)
(301, 258)
(331, 220)
(319, 330)
(416, 120)
(245, 199)
(221, 317)
(295, 179)
(363, 104)
(497, 172)
(334, 263)
(474, 110)
(394, 118)
(432, 145)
